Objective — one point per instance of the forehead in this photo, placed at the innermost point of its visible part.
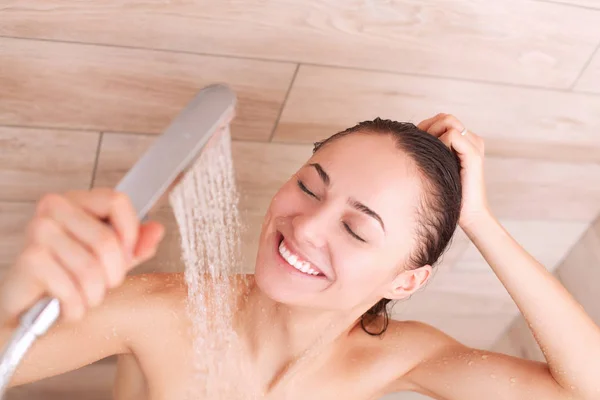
(373, 170)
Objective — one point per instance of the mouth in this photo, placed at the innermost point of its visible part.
(297, 261)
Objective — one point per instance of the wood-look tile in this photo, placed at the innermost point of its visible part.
(325, 100)
(512, 41)
(580, 273)
(542, 190)
(93, 382)
(14, 218)
(518, 341)
(458, 245)
(37, 161)
(547, 241)
(488, 326)
(128, 90)
(590, 80)
(261, 168)
(405, 396)
(583, 3)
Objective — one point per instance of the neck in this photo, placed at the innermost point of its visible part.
(280, 337)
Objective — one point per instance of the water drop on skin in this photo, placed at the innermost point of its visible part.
(470, 363)
(484, 357)
(513, 380)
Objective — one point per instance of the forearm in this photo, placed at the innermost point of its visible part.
(568, 337)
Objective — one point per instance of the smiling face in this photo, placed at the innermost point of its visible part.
(337, 234)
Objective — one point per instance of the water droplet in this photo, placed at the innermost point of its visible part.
(470, 363)
(484, 357)
(573, 387)
(513, 380)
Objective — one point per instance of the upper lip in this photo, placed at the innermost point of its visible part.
(289, 244)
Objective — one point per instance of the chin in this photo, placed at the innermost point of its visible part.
(280, 281)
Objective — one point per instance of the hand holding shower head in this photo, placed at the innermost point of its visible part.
(168, 158)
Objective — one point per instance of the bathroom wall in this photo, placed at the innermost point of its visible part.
(579, 272)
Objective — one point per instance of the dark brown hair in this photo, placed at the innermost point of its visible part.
(441, 201)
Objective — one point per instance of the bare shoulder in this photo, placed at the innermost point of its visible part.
(403, 346)
(150, 295)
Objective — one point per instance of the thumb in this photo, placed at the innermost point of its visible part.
(150, 236)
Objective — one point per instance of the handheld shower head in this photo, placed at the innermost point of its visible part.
(145, 183)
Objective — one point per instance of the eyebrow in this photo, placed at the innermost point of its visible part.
(357, 205)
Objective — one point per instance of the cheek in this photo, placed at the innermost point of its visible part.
(362, 276)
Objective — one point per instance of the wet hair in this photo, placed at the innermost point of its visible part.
(440, 204)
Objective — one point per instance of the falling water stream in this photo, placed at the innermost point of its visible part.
(205, 205)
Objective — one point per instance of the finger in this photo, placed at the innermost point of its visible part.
(426, 123)
(476, 140)
(460, 143)
(84, 267)
(98, 237)
(38, 271)
(115, 207)
(151, 234)
(443, 125)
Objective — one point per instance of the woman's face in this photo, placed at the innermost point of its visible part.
(337, 234)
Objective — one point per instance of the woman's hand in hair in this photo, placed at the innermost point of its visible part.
(470, 150)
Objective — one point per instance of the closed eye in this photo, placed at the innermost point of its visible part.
(351, 232)
(305, 189)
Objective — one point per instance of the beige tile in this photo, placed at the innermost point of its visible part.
(93, 382)
(14, 218)
(580, 273)
(488, 326)
(583, 3)
(518, 341)
(506, 345)
(326, 100)
(119, 89)
(261, 168)
(547, 241)
(541, 190)
(37, 161)
(590, 80)
(405, 396)
(453, 253)
(512, 41)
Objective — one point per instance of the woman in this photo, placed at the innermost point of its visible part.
(345, 235)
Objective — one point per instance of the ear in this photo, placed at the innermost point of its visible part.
(408, 282)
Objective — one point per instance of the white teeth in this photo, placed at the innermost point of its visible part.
(293, 260)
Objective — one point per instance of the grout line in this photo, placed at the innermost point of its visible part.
(156, 49)
(94, 170)
(18, 201)
(285, 99)
(445, 77)
(585, 67)
(331, 65)
(49, 127)
(75, 129)
(560, 3)
(492, 154)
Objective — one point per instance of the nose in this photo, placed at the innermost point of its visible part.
(312, 228)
